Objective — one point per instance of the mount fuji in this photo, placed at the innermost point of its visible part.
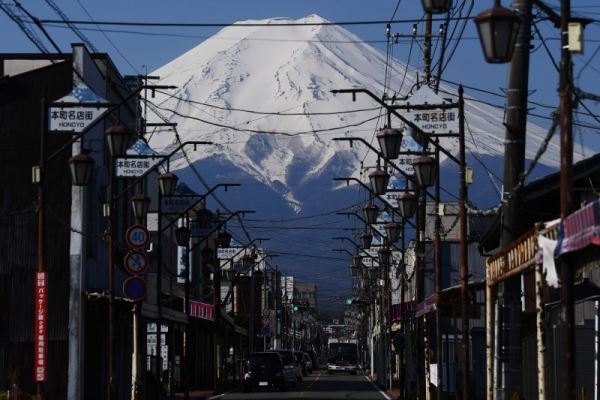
(263, 95)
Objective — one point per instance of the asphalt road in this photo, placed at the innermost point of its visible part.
(320, 385)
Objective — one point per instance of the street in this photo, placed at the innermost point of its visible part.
(319, 385)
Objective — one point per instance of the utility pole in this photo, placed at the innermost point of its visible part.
(508, 355)
(438, 275)
(422, 341)
(566, 183)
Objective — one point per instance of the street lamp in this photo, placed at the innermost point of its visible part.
(118, 137)
(371, 211)
(204, 218)
(224, 239)
(436, 6)
(498, 28)
(81, 167)
(389, 141)
(366, 240)
(182, 236)
(379, 181)
(407, 204)
(357, 261)
(425, 170)
(167, 183)
(393, 231)
(140, 205)
(385, 255)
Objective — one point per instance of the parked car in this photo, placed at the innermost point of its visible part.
(308, 363)
(299, 357)
(264, 371)
(291, 368)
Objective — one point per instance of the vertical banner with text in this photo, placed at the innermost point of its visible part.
(39, 326)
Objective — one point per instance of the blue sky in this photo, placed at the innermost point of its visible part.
(151, 47)
(147, 48)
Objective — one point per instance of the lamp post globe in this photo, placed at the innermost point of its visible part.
(118, 138)
(140, 205)
(167, 184)
(224, 239)
(371, 211)
(425, 170)
(373, 274)
(81, 167)
(436, 6)
(389, 142)
(357, 261)
(379, 181)
(393, 230)
(384, 255)
(366, 240)
(204, 218)
(498, 28)
(407, 204)
(182, 236)
(246, 262)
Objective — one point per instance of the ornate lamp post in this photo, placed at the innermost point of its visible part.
(389, 141)
(425, 170)
(371, 211)
(366, 240)
(393, 231)
(407, 204)
(81, 167)
(436, 6)
(140, 205)
(498, 28)
(167, 183)
(379, 181)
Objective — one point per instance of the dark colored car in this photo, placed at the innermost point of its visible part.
(292, 370)
(264, 371)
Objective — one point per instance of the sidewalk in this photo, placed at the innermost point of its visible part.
(197, 394)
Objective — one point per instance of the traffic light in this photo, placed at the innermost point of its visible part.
(349, 301)
(295, 308)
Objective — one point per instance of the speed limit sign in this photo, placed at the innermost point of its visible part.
(137, 236)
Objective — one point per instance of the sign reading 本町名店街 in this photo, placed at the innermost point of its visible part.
(76, 111)
(434, 120)
(135, 167)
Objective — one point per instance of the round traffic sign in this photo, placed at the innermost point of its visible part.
(136, 262)
(266, 312)
(137, 236)
(266, 321)
(134, 288)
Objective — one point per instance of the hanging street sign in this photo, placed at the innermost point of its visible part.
(40, 349)
(390, 197)
(227, 253)
(434, 120)
(136, 262)
(198, 231)
(137, 236)
(134, 288)
(76, 111)
(135, 167)
(177, 205)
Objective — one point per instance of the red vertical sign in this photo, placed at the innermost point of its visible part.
(40, 341)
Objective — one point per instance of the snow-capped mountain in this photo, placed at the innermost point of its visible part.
(263, 95)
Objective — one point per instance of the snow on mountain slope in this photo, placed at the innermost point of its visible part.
(292, 70)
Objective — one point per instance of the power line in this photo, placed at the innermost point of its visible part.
(247, 130)
(280, 114)
(277, 23)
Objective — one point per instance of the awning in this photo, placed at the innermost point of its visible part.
(580, 229)
(449, 301)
